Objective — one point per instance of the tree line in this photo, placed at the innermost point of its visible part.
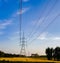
(53, 53)
(2, 54)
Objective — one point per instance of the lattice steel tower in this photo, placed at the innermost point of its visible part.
(22, 39)
(23, 46)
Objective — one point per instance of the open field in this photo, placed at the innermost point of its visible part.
(29, 60)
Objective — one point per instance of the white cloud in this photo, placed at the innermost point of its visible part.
(56, 38)
(43, 36)
(23, 11)
(25, 0)
(5, 23)
(18, 12)
(47, 36)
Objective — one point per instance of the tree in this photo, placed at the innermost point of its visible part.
(49, 52)
(1, 54)
(56, 53)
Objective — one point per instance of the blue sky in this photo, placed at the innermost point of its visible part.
(36, 16)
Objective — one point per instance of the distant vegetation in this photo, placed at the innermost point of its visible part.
(53, 53)
(2, 54)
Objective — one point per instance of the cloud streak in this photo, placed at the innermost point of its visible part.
(5, 23)
(23, 11)
(47, 36)
(18, 12)
(25, 0)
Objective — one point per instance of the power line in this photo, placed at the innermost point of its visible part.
(29, 36)
(46, 27)
(44, 19)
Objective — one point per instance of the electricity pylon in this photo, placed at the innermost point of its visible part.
(23, 46)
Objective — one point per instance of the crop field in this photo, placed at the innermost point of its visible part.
(21, 59)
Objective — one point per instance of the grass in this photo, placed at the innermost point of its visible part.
(27, 60)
